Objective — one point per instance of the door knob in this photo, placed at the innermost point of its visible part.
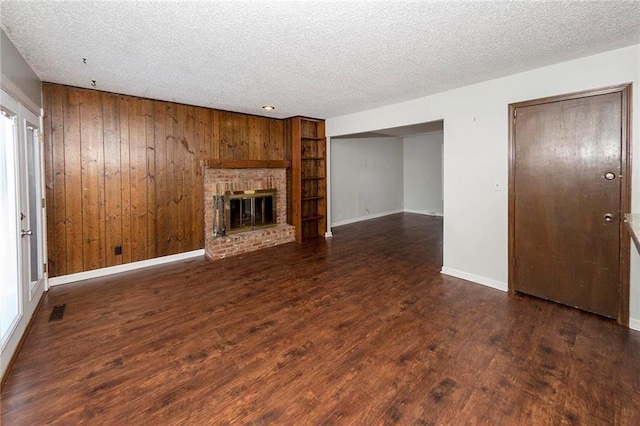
(608, 217)
(27, 232)
(609, 176)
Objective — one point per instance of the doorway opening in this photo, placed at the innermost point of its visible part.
(387, 171)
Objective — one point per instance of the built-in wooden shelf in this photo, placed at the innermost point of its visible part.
(215, 163)
(305, 141)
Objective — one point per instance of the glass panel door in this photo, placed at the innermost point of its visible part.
(247, 212)
(31, 222)
(9, 259)
(22, 226)
(258, 211)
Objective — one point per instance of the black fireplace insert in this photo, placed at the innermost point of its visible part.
(249, 210)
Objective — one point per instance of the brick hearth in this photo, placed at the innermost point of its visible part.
(217, 182)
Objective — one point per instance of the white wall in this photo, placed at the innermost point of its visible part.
(18, 79)
(366, 178)
(423, 174)
(476, 148)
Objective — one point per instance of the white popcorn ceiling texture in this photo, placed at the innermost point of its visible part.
(319, 59)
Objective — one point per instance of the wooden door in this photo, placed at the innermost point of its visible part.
(567, 198)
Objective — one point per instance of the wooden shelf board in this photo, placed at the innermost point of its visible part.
(313, 138)
(308, 218)
(215, 163)
(312, 158)
(312, 198)
(313, 178)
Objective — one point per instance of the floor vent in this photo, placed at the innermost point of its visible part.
(57, 313)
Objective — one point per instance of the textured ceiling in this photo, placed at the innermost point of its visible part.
(320, 59)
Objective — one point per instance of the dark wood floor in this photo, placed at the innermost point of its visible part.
(361, 329)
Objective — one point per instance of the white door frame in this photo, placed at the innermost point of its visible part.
(29, 295)
(30, 121)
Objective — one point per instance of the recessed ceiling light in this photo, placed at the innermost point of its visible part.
(268, 107)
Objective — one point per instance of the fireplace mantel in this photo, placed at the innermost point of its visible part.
(215, 163)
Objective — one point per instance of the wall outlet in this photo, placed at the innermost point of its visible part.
(117, 250)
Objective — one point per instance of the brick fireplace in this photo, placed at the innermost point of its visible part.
(217, 181)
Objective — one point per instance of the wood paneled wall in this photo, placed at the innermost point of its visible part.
(125, 171)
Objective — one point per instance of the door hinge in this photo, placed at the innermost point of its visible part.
(43, 203)
(44, 268)
(515, 113)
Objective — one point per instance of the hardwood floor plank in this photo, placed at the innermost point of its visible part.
(358, 329)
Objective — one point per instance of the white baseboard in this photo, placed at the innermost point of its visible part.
(377, 215)
(96, 273)
(363, 218)
(634, 324)
(423, 212)
(328, 234)
(489, 282)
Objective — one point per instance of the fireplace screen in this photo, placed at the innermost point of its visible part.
(247, 210)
